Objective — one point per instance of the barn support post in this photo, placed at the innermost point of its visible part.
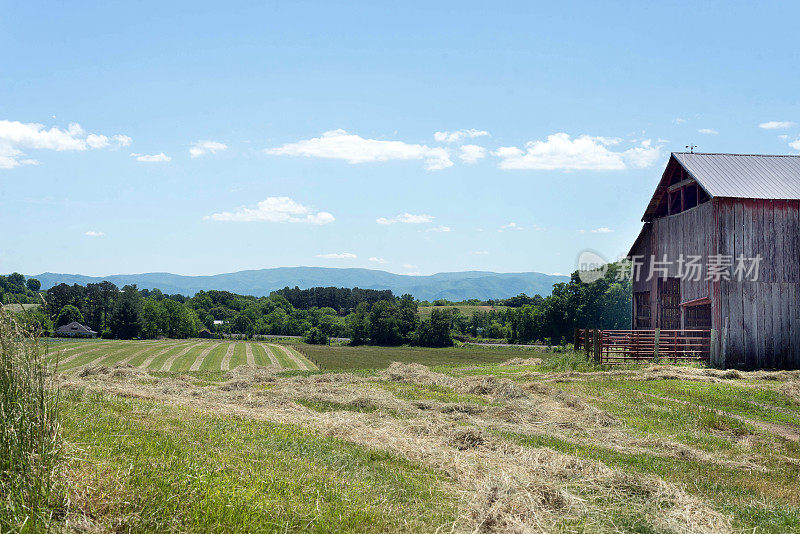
(656, 336)
(712, 355)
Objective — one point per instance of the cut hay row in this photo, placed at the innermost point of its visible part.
(65, 361)
(133, 355)
(226, 360)
(168, 364)
(102, 357)
(273, 360)
(311, 366)
(202, 356)
(295, 362)
(251, 360)
(146, 363)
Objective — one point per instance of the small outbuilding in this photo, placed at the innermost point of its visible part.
(75, 329)
(720, 249)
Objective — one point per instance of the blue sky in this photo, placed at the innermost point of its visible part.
(200, 138)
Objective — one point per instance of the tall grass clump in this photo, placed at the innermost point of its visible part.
(30, 444)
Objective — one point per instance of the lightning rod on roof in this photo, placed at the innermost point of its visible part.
(691, 148)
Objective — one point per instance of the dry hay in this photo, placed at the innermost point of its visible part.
(522, 361)
(792, 390)
(504, 487)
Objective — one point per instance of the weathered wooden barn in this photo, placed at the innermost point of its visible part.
(740, 215)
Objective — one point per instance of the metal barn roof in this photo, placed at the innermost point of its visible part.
(744, 175)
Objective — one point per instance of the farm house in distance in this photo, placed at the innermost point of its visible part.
(720, 249)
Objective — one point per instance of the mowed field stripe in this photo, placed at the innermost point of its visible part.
(71, 357)
(168, 364)
(273, 360)
(291, 357)
(99, 359)
(147, 361)
(125, 360)
(251, 360)
(310, 366)
(226, 360)
(202, 356)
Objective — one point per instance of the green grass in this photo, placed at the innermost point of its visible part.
(213, 359)
(369, 357)
(146, 467)
(260, 355)
(283, 360)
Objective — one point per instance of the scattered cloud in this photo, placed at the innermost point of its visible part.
(776, 125)
(441, 229)
(795, 144)
(338, 256)
(708, 131)
(378, 260)
(151, 158)
(274, 209)
(561, 152)
(201, 148)
(602, 230)
(352, 148)
(678, 120)
(510, 226)
(95, 233)
(480, 252)
(458, 135)
(406, 218)
(17, 137)
(472, 153)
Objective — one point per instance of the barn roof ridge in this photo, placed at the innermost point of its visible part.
(735, 154)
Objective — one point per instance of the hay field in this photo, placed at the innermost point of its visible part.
(174, 355)
(527, 445)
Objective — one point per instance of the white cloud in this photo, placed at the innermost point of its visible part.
(122, 140)
(17, 137)
(510, 226)
(352, 148)
(406, 218)
(561, 152)
(708, 131)
(378, 260)
(776, 125)
(338, 256)
(458, 135)
(678, 120)
(201, 148)
(151, 158)
(441, 229)
(95, 233)
(274, 209)
(602, 230)
(795, 144)
(472, 153)
(558, 274)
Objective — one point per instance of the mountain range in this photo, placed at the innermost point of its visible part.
(455, 286)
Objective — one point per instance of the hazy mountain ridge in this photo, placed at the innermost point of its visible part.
(452, 286)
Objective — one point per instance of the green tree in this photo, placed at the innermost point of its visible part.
(435, 332)
(126, 318)
(358, 325)
(33, 284)
(315, 336)
(68, 314)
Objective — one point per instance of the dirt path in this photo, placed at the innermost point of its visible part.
(226, 360)
(251, 360)
(168, 364)
(293, 357)
(273, 360)
(202, 356)
(146, 363)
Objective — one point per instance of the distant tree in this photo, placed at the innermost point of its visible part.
(16, 279)
(435, 332)
(315, 336)
(33, 284)
(126, 318)
(384, 328)
(68, 314)
(358, 325)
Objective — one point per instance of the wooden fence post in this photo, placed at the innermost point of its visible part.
(597, 345)
(656, 336)
(587, 341)
(576, 342)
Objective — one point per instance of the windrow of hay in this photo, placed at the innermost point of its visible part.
(522, 361)
(504, 486)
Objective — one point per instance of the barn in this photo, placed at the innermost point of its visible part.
(720, 249)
